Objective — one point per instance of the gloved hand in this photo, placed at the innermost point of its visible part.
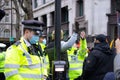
(83, 35)
(78, 78)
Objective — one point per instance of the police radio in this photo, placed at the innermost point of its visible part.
(59, 70)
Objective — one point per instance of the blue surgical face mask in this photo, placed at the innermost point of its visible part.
(34, 39)
(44, 41)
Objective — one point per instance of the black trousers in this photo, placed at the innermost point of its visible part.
(2, 76)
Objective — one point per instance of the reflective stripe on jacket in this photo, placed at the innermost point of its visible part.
(75, 64)
(76, 60)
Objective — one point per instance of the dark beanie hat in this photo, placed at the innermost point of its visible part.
(101, 37)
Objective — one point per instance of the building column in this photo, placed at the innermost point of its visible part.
(33, 4)
(49, 23)
(40, 18)
(49, 19)
(72, 15)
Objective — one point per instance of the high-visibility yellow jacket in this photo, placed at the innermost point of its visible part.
(21, 65)
(45, 61)
(76, 60)
(42, 46)
(2, 60)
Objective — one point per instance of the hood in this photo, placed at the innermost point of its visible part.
(103, 47)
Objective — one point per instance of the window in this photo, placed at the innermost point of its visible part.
(44, 1)
(64, 15)
(36, 18)
(6, 33)
(53, 16)
(66, 34)
(113, 6)
(44, 17)
(7, 18)
(7, 3)
(80, 8)
(118, 5)
(35, 4)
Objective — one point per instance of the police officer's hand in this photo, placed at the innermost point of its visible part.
(83, 35)
(78, 78)
(117, 45)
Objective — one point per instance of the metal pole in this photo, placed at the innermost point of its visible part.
(11, 24)
(58, 66)
(57, 29)
(118, 23)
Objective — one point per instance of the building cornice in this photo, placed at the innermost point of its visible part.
(44, 5)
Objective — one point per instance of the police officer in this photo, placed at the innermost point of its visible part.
(23, 61)
(44, 57)
(2, 60)
(99, 61)
(42, 42)
(76, 56)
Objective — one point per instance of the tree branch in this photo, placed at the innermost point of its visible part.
(1, 5)
(22, 5)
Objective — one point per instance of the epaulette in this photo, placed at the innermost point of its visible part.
(14, 45)
(17, 43)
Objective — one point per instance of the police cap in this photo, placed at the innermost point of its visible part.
(2, 45)
(2, 14)
(32, 24)
(42, 36)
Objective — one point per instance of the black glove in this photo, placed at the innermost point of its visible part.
(79, 78)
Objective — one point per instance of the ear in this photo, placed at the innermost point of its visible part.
(107, 40)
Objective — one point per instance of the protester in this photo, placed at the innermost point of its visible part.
(64, 47)
(99, 61)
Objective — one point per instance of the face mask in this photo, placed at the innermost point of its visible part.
(44, 41)
(34, 39)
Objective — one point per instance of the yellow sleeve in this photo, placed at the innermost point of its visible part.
(83, 48)
(12, 64)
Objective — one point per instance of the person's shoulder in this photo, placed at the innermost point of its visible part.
(17, 43)
(95, 52)
(14, 46)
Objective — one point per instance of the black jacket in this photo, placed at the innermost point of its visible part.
(99, 62)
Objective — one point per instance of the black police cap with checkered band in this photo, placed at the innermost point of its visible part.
(32, 24)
